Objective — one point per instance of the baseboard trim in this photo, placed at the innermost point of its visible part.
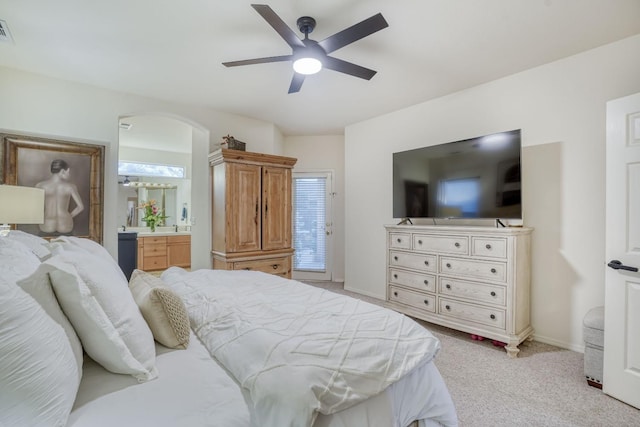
(360, 291)
(551, 341)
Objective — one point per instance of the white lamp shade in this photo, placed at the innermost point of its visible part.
(21, 205)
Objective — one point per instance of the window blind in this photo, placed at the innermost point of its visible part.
(309, 223)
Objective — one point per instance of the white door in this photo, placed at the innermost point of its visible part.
(312, 225)
(622, 279)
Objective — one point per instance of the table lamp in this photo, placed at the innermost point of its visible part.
(20, 205)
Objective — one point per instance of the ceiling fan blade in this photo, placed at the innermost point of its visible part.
(336, 64)
(278, 24)
(296, 82)
(354, 33)
(258, 60)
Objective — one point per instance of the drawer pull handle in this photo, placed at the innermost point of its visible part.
(457, 245)
(493, 294)
(447, 307)
(448, 286)
(247, 268)
(426, 263)
(488, 246)
(426, 282)
(395, 258)
(493, 270)
(395, 276)
(275, 266)
(395, 294)
(419, 242)
(426, 302)
(448, 265)
(493, 317)
(399, 240)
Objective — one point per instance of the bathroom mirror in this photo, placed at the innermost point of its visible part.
(168, 196)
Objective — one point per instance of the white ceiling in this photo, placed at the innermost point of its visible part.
(174, 49)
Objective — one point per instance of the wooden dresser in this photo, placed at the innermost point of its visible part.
(164, 251)
(251, 211)
(473, 279)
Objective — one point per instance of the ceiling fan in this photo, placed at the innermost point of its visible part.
(310, 56)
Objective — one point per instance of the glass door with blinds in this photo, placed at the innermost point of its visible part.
(312, 222)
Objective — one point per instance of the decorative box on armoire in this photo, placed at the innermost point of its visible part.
(251, 211)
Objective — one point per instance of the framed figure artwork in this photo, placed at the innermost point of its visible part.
(72, 176)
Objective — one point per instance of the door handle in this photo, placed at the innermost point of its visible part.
(617, 265)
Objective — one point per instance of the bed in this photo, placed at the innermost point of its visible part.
(227, 371)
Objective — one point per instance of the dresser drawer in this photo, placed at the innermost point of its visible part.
(155, 263)
(481, 292)
(489, 247)
(481, 269)
(413, 261)
(484, 315)
(155, 240)
(181, 238)
(423, 282)
(414, 299)
(441, 244)
(154, 249)
(270, 265)
(400, 240)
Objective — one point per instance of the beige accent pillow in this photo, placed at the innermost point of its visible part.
(162, 308)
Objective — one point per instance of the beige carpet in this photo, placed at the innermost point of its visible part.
(544, 386)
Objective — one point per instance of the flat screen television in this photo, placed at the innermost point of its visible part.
(473, 178)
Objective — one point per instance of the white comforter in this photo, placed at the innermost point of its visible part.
(298, 350)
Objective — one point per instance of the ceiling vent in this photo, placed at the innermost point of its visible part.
(5, 35)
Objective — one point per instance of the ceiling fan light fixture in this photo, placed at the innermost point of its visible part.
(310, 56)
(307, 66)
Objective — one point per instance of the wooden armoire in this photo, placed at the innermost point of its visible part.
(251, 211)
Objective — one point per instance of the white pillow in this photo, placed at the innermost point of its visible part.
(16, 260)
(39, 376)
(39, 287)
(71, 242)
(36, 244)
(94, 295)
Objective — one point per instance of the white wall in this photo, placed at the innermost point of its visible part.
(41, 106)
(560, 108)
(316, 153)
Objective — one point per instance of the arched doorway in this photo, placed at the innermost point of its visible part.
(166, 141)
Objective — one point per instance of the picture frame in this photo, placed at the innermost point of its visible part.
(72, 175)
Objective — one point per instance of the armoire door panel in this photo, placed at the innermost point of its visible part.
(243, 208)
(276, 208)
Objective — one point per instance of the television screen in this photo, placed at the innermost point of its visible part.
(472, 178)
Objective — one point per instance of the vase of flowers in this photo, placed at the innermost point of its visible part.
(152, 215)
